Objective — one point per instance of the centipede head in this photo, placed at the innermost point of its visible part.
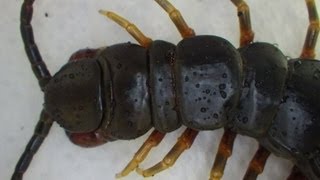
(73, 96)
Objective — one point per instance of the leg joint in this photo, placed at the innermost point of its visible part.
(315, 25)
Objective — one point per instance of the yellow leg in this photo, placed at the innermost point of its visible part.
(177, 18)
(131, 28)
(313, 31)
(246, 33)
(184, 142)
(154, 139)
(224, 152)
(257, 164)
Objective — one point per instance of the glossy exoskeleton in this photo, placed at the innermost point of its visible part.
(203, 83)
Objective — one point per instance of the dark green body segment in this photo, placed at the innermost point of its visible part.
(164, 114)
(79, 84)
(208, 77)
(265, 72)
(130, 107)
(295, 131)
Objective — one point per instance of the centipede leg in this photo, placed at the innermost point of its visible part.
(296, 174)
(257, 164)
(184, 142)
(40, 133)
(177, 18)
(224, 152)
(154, 139)
(246, 33)
(313, 31)
(130, 28)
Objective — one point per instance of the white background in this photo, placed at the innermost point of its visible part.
(76, 24)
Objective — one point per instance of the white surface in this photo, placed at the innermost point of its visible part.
(76, 24)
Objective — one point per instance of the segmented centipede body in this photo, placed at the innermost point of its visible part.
(203, 82)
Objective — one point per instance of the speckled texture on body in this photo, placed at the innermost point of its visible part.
(63, 27)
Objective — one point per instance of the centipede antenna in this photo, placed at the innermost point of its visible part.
(313, 31)
(246, 33)
(257, 164)
(41, 131)
(177, 18)
(39, 68)
(184, 142)
(131, 28)
(296, 174)
(153, 140)
(224, 152)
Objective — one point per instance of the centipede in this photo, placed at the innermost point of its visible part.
(203, 83)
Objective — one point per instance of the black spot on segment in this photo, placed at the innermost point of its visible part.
(71, 76)
(222, 86)
(245, 120)
(223, 94)
(119, 65)
(203, 110)
(186, 79)
(215, 115)
(224, 75)
(81, 108)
